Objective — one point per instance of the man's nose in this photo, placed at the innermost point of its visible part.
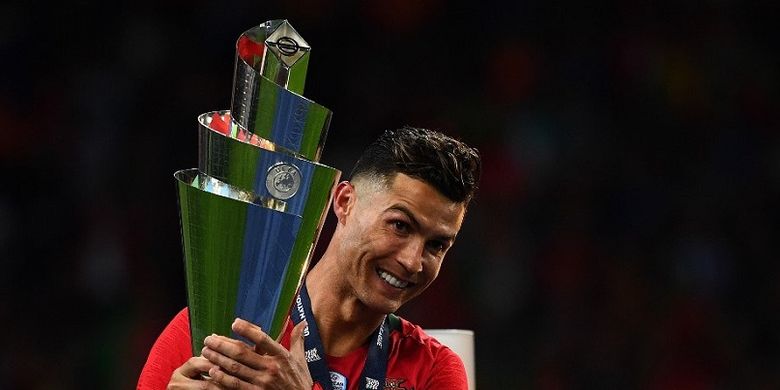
(410, 256)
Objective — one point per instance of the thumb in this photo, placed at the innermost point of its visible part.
(296, 338)
(298, 355)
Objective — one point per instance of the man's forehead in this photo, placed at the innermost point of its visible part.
(425, 202)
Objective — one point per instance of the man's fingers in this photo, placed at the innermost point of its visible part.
(226, 380)
(227, 364)
(237, 351)
(238, 365)
(263, 342)
(296, 339)
(195, 366)
(188, 376)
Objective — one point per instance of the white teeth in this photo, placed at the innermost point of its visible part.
(391, 280)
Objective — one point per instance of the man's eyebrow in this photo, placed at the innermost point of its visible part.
(403, 209)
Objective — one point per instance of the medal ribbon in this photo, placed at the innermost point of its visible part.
(373, 375)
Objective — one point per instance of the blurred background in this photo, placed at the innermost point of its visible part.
(625, 235)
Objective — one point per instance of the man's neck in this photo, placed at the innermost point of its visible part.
(344, 323)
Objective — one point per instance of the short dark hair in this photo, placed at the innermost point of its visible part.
(449, 165)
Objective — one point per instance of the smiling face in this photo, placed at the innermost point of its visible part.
(392, 239)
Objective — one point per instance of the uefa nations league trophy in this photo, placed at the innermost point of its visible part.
(252, 211)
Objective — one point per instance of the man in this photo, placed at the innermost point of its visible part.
(396, 219)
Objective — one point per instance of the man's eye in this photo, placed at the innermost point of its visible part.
(401, 226)
(436, 246)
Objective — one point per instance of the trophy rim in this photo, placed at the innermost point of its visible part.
(270, 203)
(277, 148)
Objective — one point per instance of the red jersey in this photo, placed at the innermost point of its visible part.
(416, 361)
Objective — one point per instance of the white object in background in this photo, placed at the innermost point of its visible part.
(461, 341)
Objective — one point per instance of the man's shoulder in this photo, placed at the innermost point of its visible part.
(183, 315)
(406, 334)
(420, 361)
(180, 323)
(171, 349)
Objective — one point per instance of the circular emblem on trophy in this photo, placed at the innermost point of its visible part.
(283, 181)
(287, 46)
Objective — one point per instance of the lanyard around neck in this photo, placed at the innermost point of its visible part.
(373, 375)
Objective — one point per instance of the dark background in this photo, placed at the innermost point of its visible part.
(623, 237)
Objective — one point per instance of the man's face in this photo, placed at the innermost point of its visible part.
(395, 239)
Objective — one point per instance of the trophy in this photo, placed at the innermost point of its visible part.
(252, 211)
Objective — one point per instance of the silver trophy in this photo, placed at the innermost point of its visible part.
(252, 211)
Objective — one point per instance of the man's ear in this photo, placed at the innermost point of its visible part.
(344, 198)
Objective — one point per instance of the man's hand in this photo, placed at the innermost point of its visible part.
(266, 366)
(188, 376)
